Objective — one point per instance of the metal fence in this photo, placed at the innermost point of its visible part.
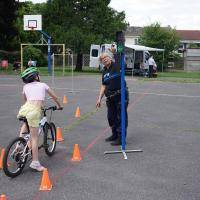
(86, 60)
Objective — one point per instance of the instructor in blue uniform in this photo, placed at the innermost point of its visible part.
(111, 88)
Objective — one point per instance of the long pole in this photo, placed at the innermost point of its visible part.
(72, 57)
(63, 59)
(53, 71)
(49, 56)
(21, 57)
(163, 59)
(133, 62)
(123, 122)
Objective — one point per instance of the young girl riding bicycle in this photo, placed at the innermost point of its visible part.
(34, 95)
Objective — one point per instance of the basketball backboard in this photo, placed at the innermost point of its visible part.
(32, 22)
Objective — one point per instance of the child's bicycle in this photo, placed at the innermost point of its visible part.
(17, 152)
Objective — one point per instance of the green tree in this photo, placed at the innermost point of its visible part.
(8, 16)
(35, 54)
(79, 23)
(159, 37)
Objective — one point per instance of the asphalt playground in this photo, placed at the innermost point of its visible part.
(163, 122)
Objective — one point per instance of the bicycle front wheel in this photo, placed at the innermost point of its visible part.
(15, 157)
(49, 138)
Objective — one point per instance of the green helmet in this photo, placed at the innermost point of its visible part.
(29, 74)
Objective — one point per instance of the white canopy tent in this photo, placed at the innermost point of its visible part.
(144, 48)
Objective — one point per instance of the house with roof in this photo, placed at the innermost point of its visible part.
(132, 34)
(188, 37)
(190, 47)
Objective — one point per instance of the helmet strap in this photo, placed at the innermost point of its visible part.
(38, 78)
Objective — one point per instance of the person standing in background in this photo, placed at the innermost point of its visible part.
(151, 63)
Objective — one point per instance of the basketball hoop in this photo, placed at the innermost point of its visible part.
(32, 22)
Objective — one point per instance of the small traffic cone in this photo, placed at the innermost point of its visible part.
(76, 154)
(65, 100)
(78, 112)
(59, 137)
(46, 184)
(3, 197)
(1, 158)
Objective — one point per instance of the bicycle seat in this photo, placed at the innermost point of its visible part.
(21, 118)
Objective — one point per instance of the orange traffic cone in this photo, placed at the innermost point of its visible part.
(1, 158)
(3, 197)
(76, 154)
(59, 137)
(65, 100)
(45, 182)
(78, 112)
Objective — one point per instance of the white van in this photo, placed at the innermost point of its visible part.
(95, 53)
(94, 56)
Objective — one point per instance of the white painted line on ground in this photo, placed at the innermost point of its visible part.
(9, 85)
(146, 93)
(76, 90)
(6, 117)
(7, 78)
(97, 90)
(169, 95)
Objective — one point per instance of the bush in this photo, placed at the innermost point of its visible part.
(10, 56)
(35, 54)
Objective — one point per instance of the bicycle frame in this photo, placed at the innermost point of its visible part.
(42, 122)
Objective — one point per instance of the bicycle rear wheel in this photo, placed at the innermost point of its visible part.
(49, 138)
(15, 157)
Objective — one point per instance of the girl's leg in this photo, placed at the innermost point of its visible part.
(34, 142)
(35, 164)
(23, 130)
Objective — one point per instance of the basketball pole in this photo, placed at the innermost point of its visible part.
(53, 72)
(49, 51)
(22, 68)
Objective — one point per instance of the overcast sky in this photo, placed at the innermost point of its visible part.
(181, 14)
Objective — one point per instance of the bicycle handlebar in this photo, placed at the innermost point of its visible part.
(53, 108)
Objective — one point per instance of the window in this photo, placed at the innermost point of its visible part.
(103, 49)
(95, 52)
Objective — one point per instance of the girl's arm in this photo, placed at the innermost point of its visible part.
(54, 97)
(24, 98)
